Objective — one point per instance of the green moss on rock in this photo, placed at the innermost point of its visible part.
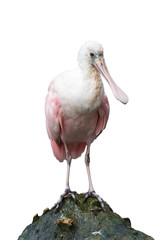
(87, 222)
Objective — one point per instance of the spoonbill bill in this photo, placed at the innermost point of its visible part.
(77, 110)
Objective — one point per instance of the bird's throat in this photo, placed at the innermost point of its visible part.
(95, 87)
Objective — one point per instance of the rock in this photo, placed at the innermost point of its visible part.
(81, 221)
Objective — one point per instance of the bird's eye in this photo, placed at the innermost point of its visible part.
(92, 54)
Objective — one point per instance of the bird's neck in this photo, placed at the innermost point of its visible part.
(95, 87)
(90, 73)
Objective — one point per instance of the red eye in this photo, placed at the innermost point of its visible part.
(92, 54)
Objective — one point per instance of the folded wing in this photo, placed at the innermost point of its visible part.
(103, 112)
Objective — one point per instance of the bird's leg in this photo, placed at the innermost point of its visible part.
(69, 159)
(67, 187)
(91, 192)
(87, 162)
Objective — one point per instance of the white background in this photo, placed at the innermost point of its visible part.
(40, 39)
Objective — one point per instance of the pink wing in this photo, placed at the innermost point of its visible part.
(52, 110)
(54, 125)
(103, 112)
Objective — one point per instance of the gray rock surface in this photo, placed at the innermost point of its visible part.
(81, 221)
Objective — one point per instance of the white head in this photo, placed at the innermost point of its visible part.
(91, 56)
(87, 52)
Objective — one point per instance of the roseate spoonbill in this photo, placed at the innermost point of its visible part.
(77, 110)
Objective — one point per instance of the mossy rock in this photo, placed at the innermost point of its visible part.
(81, 221)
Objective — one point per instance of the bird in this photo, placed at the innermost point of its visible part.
(77, 111)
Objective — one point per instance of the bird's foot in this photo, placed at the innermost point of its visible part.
(95, 195)
(66, 192)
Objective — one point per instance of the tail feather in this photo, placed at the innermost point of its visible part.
(75, 149)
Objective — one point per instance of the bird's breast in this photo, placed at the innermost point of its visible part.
(79, 129)
(78, 93)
